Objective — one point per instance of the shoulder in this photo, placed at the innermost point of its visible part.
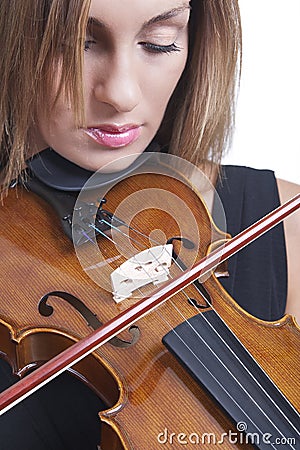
(288, 190)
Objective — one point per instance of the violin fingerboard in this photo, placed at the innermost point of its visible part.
(210, 352)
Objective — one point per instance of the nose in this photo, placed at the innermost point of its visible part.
(118, 83)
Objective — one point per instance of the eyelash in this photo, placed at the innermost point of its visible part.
(87, 44)
(152, 48)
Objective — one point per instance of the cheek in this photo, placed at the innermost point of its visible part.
(55, 131)
(163, 82)
(61, 118)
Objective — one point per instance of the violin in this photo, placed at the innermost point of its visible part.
(177, 362)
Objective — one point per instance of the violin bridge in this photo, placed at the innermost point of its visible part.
(149, 266)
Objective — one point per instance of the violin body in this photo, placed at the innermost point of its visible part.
(152, 401)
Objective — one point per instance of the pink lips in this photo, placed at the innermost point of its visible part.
(113, 136)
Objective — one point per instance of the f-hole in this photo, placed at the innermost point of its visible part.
(91, 318)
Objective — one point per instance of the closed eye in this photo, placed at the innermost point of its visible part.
(154, 48)
(88, 43)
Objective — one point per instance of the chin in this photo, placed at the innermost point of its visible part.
(106, 165)
(118, 164)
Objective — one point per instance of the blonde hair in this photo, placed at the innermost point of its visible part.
(202, 109)
(40, 34)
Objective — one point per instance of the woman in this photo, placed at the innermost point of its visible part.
(96, 81)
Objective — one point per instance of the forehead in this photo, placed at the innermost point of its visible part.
(134, 14)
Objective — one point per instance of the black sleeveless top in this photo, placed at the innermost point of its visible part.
(258, 273)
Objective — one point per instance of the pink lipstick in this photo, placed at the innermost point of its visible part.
(114, 136)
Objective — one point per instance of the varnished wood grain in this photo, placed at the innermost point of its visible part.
(146, 390)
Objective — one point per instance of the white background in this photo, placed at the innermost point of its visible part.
(268, 119)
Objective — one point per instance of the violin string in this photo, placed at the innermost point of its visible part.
(203, 317)
(217, 380)
(132, 240)
(212, 327)
(102, 234)
(125, 234)
(111, 240)
(144, 247)
(216, 332)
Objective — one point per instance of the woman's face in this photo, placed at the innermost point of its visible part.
(135, 53)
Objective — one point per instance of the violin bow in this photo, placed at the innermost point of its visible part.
(76, 352)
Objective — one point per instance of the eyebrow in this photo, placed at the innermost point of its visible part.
(93, 21)
(166, 15)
